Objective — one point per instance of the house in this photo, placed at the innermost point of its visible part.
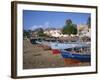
(54, 33)
(83, 30)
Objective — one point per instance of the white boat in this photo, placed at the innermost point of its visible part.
(67, 45)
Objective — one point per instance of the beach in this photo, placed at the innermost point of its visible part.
(34, 56)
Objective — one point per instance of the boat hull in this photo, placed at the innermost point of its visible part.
(55, 51)
(76, 56)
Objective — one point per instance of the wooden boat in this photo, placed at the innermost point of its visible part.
(61, 46)
(82, 56)
(44, 44)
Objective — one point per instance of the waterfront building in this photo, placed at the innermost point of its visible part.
(55, 33)
(83, 30)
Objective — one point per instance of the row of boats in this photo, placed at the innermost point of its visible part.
(74, 50)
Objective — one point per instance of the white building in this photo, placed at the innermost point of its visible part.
(84, 30)
(55, 33)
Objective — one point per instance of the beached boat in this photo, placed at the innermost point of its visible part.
(44, 44)
(61, 46)
(79, 53)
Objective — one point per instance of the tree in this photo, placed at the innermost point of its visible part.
(69, 28)
(40, 33)
(26, 33)
(89, 22)
(68, 22)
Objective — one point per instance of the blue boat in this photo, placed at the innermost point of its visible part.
(82, 57)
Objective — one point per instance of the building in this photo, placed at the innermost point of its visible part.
(54, 33)
(83, 30)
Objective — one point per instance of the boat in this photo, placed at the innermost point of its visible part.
(44, 44)
(61, 46)
(79, 54)
(33, 41)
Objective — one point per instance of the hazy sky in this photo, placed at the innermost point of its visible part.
(36, 19)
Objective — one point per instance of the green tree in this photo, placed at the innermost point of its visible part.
(69, 28)
(89, 22)
(40, 33)
(26, 33)
(68, 22)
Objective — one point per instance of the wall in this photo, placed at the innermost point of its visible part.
(5, 41)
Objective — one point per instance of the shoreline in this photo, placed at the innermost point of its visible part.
(34, 57)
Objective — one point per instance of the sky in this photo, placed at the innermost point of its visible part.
(47, 19)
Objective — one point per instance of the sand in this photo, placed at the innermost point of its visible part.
(34, 56)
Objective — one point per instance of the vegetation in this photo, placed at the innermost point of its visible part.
(26, 33)
(69, 28)
(89, 22)
(40, 33)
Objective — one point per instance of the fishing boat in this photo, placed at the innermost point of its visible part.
(44, 44)
(81, 54)
(61, 46)
(33, 41)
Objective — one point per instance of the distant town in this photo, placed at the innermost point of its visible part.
(70, 32)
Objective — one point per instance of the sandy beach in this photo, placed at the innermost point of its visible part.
(34, 56)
